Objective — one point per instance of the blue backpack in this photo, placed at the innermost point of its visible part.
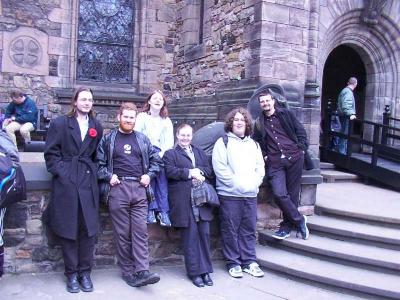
(12, 182)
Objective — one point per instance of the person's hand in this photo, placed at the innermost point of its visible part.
(7, 121)
(352, 117)
(265, 158)
(145, 180)
(114, 180)
(195, 172)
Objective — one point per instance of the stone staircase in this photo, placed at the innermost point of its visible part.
(353, 247)
(331, 175)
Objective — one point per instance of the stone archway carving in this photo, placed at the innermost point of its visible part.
(379, 50)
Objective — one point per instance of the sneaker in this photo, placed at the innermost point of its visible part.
(254, 270)
(143, 278)
(164, 219)
(304, 229)
(236, 272)
(281, 234)
(151, 217)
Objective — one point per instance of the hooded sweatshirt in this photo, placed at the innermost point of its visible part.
(238, 166)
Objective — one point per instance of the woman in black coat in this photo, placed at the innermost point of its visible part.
(184, 164)
(72, 213)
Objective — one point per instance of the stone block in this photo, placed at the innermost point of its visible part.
(190, 25)
(66, 30)
(58, 45)
(308, 195)
(190, 11)
(166, 14)
(34, 227)
(289, 34)
(285, 70)
(294, 3)
(275, 13)
(299, 17)
(59, 15)
(21, 82)
(25, 51)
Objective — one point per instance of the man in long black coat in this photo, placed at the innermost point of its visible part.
(72, 213)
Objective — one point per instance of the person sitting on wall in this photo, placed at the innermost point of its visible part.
(21, 114)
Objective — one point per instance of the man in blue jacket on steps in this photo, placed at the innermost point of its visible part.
(21, 114)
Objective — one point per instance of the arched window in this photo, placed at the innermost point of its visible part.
(105, 40)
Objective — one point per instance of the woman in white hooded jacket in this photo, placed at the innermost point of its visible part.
(239, 168)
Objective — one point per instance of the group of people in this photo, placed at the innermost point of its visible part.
(144, 178)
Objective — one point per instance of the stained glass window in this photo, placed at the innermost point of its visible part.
(105, 40)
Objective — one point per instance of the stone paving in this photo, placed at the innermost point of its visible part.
(173, 286)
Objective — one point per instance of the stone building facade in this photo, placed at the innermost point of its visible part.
(208, 56)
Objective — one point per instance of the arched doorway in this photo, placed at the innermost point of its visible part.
(342, 63)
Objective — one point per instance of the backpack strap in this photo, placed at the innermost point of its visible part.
(225, 140)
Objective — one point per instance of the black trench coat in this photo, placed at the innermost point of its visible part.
(177, 164)
(71, 162)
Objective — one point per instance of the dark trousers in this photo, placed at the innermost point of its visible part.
(344, 122)
(128, 211)
(159, 184)
(78, 254)
(238, 230)
(196, 247)
(285, 182)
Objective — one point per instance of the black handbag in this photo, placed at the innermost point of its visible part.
(198, 193)
(211, 195)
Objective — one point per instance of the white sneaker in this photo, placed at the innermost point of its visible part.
(254, 270)
(236, 272)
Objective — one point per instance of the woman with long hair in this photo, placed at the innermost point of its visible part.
(154, 122)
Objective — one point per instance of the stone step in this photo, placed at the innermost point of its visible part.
(364, 217)
(360, 201)
(337, 249)
(326, 166)
(332, 176)
(365, 281)
(387, 236)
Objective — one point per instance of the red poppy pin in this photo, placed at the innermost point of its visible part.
(92, 132)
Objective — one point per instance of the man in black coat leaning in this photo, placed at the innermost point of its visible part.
(283, 142)
(72, 213)
(127, 163)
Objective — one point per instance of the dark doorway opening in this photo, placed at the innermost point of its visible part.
(342, 63)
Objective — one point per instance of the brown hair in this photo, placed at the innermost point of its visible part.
(127, 106)
(16, 94)
(72, 112)
(231, 115)
(352, 81)
(164, 109)
(265, 93)
(183, 126)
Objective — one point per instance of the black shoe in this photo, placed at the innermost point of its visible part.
(142, 278)
(198, 281)
(86, 283)
(164, 219)
(304, 229)
(281, 234)
(151, 217)
(129, 279)
(207, 279)
(72, 283)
